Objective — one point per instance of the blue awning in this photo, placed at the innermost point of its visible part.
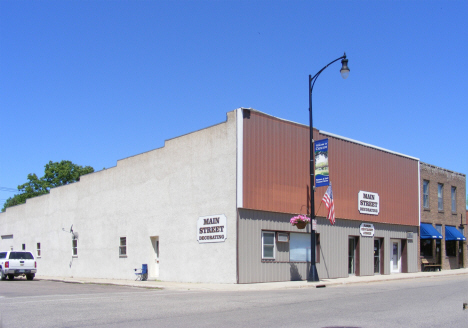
(429, 232)
(451, 233)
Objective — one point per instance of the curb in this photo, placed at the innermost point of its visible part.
(151, 284)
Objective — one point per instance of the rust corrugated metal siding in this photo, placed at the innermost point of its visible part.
(276, 173)
(275, 165)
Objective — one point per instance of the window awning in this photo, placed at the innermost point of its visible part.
(451, 233)
(429, 232)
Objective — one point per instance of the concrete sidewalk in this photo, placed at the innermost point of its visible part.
(181, 286)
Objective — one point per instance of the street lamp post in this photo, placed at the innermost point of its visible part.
(344, 73)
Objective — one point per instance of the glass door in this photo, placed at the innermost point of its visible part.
(438, 248)
(460, 254)
(351, 255)
(376, 256)
(395, 256)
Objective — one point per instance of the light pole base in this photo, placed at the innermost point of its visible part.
(313, 275)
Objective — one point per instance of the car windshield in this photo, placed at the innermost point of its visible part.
(21, 256)
(3, 255)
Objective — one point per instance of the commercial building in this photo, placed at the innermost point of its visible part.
(443, 219)
(275, 175)
(215, 206)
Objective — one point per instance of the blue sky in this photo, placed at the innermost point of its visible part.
(97, 81)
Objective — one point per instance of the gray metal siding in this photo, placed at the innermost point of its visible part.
(333, 248)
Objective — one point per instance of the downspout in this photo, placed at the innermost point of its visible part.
(239, 177)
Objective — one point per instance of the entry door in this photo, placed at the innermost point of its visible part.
(155, 267)
(460, 254)
(376, 256)
(395, 256)
(351, 256)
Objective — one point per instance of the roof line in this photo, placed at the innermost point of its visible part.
(338, 136)
(366, 144)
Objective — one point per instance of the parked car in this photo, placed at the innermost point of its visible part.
(17, 263)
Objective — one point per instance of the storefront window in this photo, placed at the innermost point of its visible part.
(426, 247)
(451, 247)
(299, 247)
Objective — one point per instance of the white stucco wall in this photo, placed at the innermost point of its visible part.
(160, 193)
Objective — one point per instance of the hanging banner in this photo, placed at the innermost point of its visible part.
(321, 163)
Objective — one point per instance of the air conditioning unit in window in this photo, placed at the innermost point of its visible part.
(282, 237)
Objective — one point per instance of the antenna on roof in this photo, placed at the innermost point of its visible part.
(74, 234)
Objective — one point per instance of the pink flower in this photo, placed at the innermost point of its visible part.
(299, 218)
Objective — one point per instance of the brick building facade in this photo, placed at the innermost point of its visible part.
(443, 206)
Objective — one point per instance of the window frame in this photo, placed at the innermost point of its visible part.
(428, 247)
(453, 198)
(440, 197)
(451, 248)
(38, 249)
(317, 248)
(123, 247)
(268, 245)
(75, 247)
(426, 194)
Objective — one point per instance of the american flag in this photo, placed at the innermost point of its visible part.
(330, 204)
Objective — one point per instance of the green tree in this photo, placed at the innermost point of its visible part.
(55, 174)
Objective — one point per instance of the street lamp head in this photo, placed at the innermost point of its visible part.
(344, 68)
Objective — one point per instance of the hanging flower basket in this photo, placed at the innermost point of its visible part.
(301, 225)
(300, 221)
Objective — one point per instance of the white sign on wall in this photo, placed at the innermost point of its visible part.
(368, 203)
(367, 229)
(212, 229)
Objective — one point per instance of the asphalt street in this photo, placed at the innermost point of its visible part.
(425, 302)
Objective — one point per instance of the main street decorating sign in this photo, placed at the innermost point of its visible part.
(211, 229)
(368, 203)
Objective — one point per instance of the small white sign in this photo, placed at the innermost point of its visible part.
(314, 225)
(368, 203)
(367, 229)
(212, 229)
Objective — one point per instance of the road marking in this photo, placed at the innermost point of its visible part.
(67, 297)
